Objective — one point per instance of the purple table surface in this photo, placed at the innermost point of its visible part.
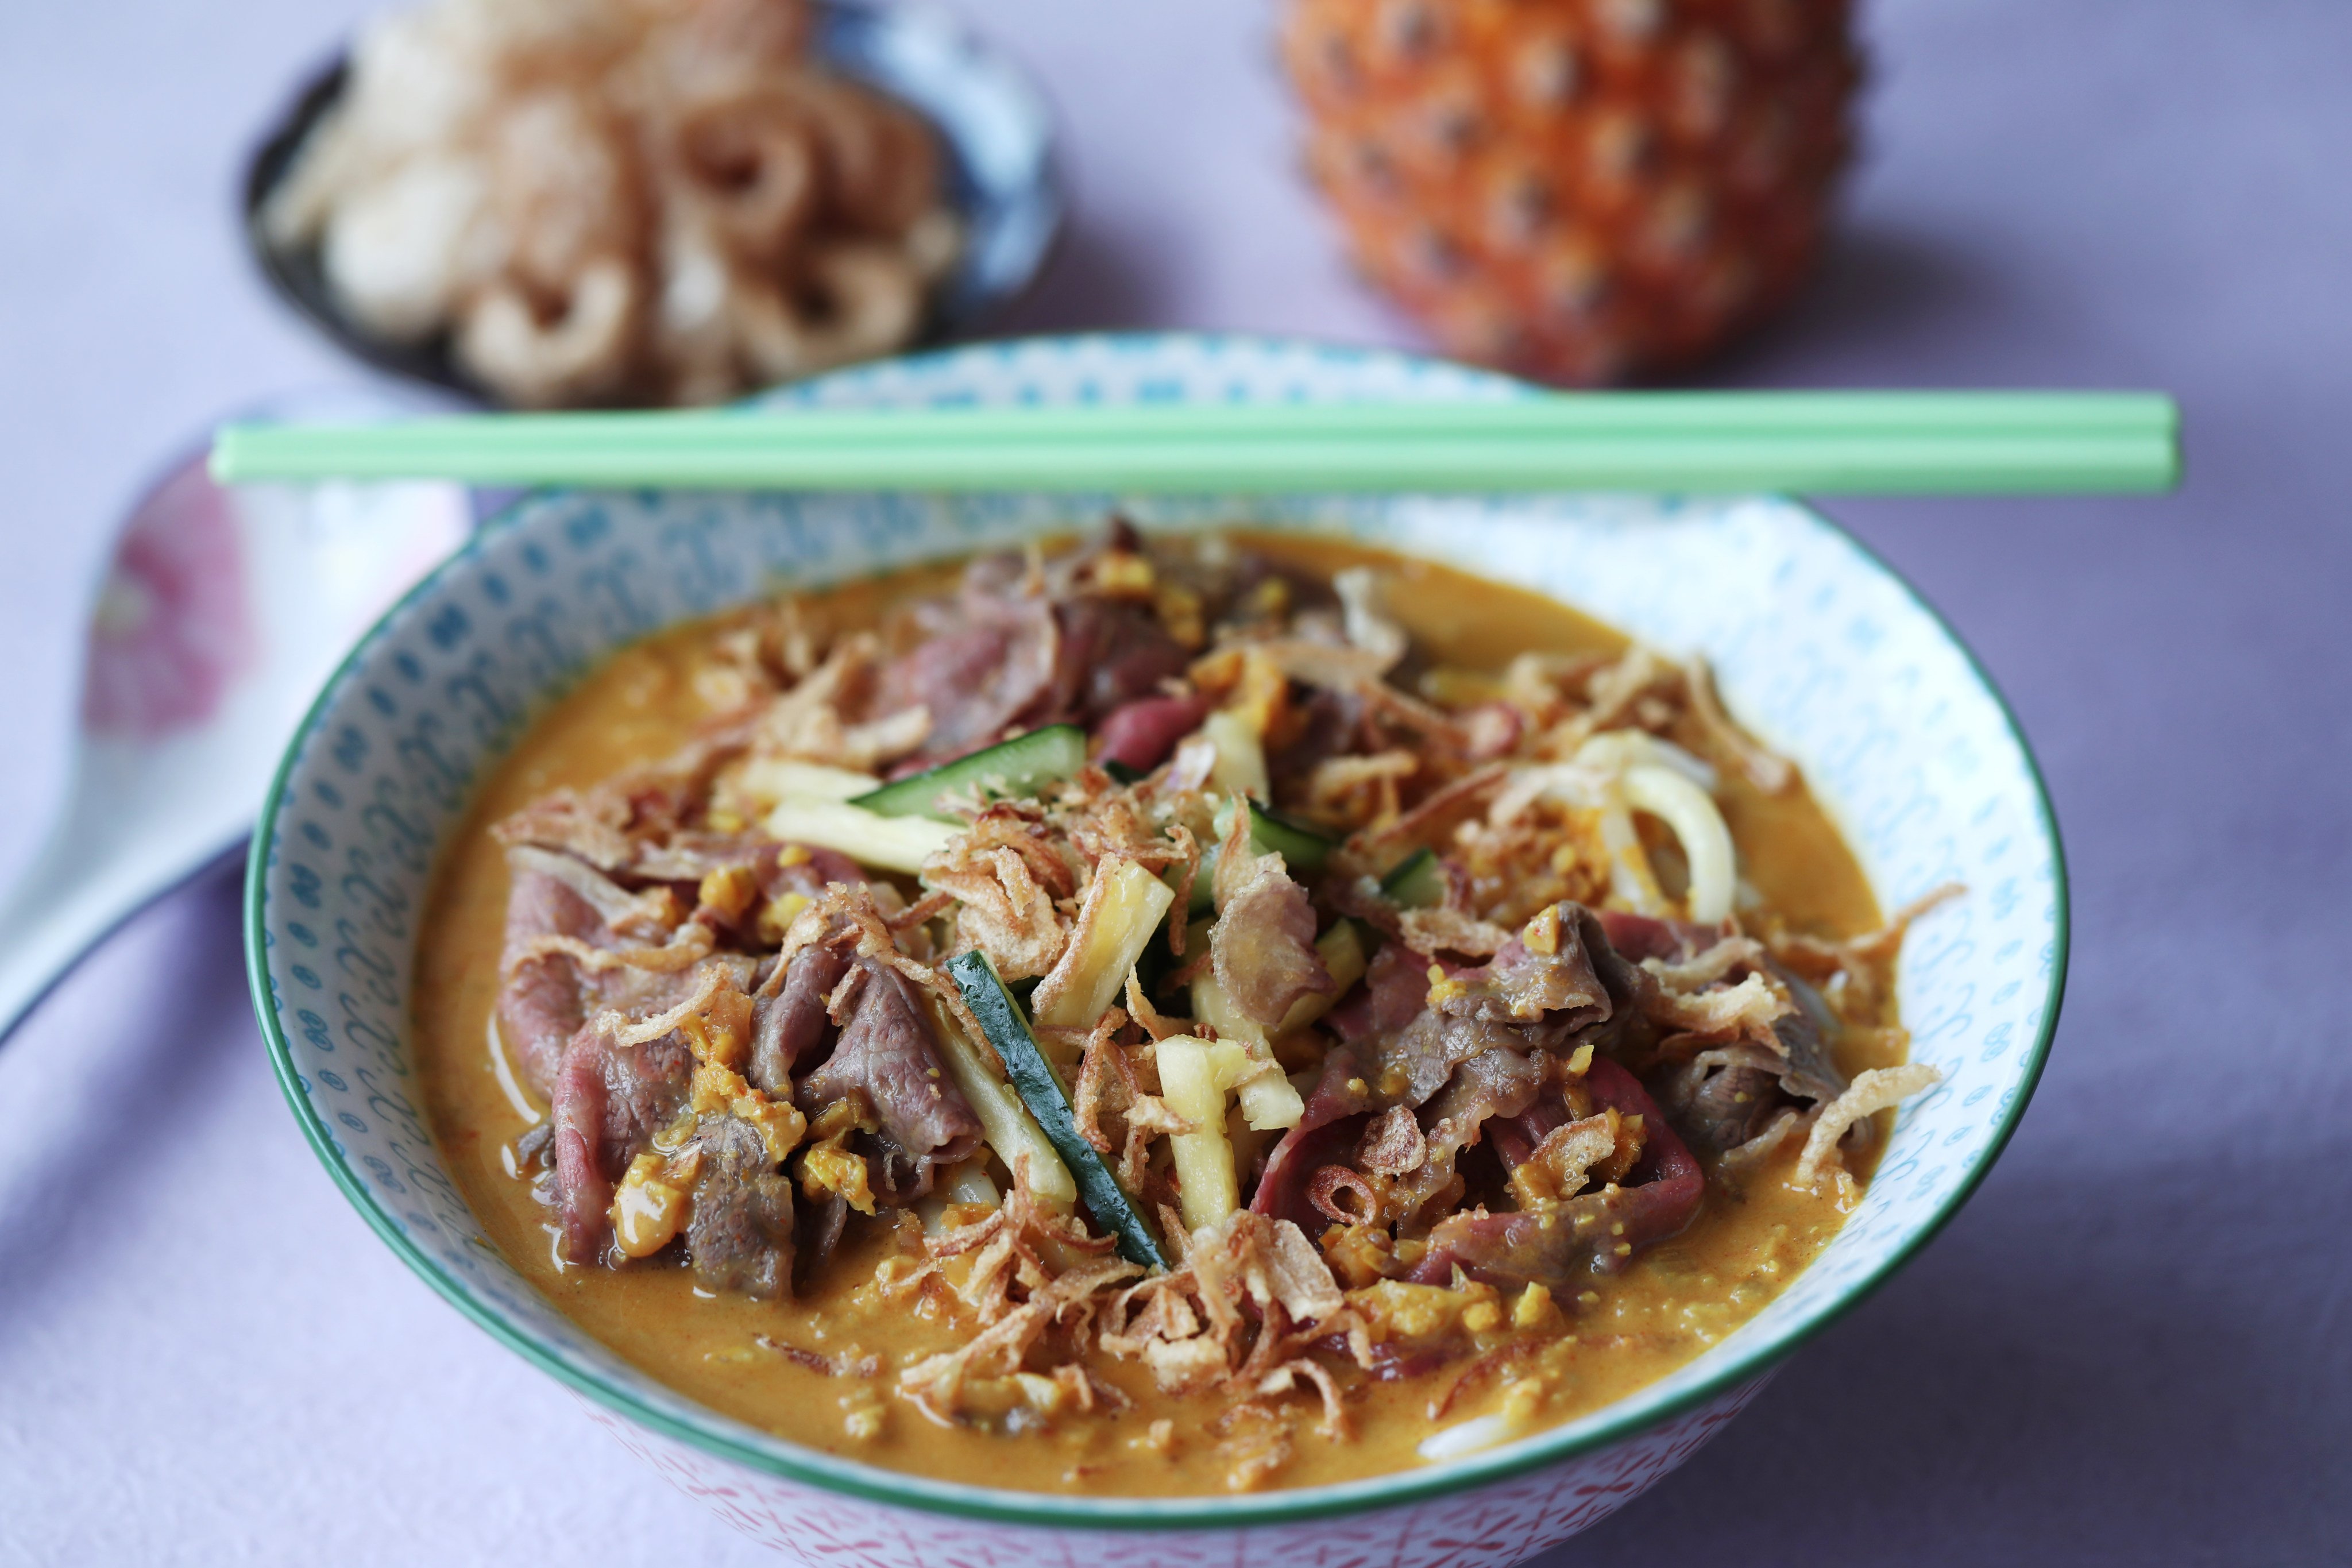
(2135, 1346)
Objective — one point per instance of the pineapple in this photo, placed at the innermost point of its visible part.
(1584, 190)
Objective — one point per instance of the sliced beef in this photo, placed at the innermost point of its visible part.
(1638, 937)
(1111, 652)
(983, 662)
(888, 1054)
(1011, 653)
(1327, 1133)
(1499, 1083)
(1717, 1105)
(584, 1190)
(1412, 1065)
(816, 1232)
(1262, 946)
(1805, 1035)
(546, 998)
(1395, 986)
(1518, 1002)
(1516, 1138)
(541, 1006)
(609, 1100)
(1141, 733)
(1736, 1102)
(1465, 1054)
(740, 1233)
(1563, 1247)
(1584, 981)
(1806, 1068)
(791, 1027)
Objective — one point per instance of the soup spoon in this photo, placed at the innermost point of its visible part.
(222, 614)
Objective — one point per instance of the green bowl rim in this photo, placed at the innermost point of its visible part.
(906, 1489)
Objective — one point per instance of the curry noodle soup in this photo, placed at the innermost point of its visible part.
(1156, 1017)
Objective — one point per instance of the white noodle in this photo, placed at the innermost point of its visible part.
(1706, 841)
(1480, 1432)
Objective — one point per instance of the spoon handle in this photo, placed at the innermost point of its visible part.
(69, 901)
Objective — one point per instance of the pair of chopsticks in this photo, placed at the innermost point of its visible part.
(1885, 443)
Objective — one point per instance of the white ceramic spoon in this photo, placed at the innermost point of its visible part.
(222, 614)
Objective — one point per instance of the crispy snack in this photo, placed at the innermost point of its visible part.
(619, 200)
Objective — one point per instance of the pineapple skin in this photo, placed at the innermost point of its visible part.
(1586, 191)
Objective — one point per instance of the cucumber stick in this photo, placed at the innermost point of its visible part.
(1005, 1119)
(1302, 849)
(1020, 766)
(1417, 882)
(1041, 1091)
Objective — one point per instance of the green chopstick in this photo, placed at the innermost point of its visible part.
(1821, 443)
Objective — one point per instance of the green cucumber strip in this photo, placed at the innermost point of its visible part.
(1121, 772)
(1020, 766)
(1041, 1091)
(1204, 883)
(1417, 883)
(1302, 849)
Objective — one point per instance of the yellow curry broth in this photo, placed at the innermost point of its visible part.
(730, 1352)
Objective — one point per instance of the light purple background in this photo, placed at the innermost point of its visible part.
(2135, 1346)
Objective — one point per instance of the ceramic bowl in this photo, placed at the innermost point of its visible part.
(993, 124)
(1821, 649)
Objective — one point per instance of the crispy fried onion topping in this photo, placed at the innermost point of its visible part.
(1865, 963)
(1443, 929)
(687, 946)
(1873, 1091)
(1192, 1328)
(1725, 1011)
(1708, 967)
(1021, 1269)
(807, 721)
(1006, 873)
(1110, 1086)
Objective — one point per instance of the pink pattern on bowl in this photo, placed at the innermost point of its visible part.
(172, 628)
(1500, 1524)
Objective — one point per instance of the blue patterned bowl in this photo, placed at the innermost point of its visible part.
(1820, 648)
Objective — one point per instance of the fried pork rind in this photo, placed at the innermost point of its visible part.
(618, 200)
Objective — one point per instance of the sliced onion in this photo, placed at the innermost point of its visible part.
(1615, 750)
(1706, 841)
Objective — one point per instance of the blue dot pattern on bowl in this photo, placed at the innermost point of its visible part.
(1818, 648)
